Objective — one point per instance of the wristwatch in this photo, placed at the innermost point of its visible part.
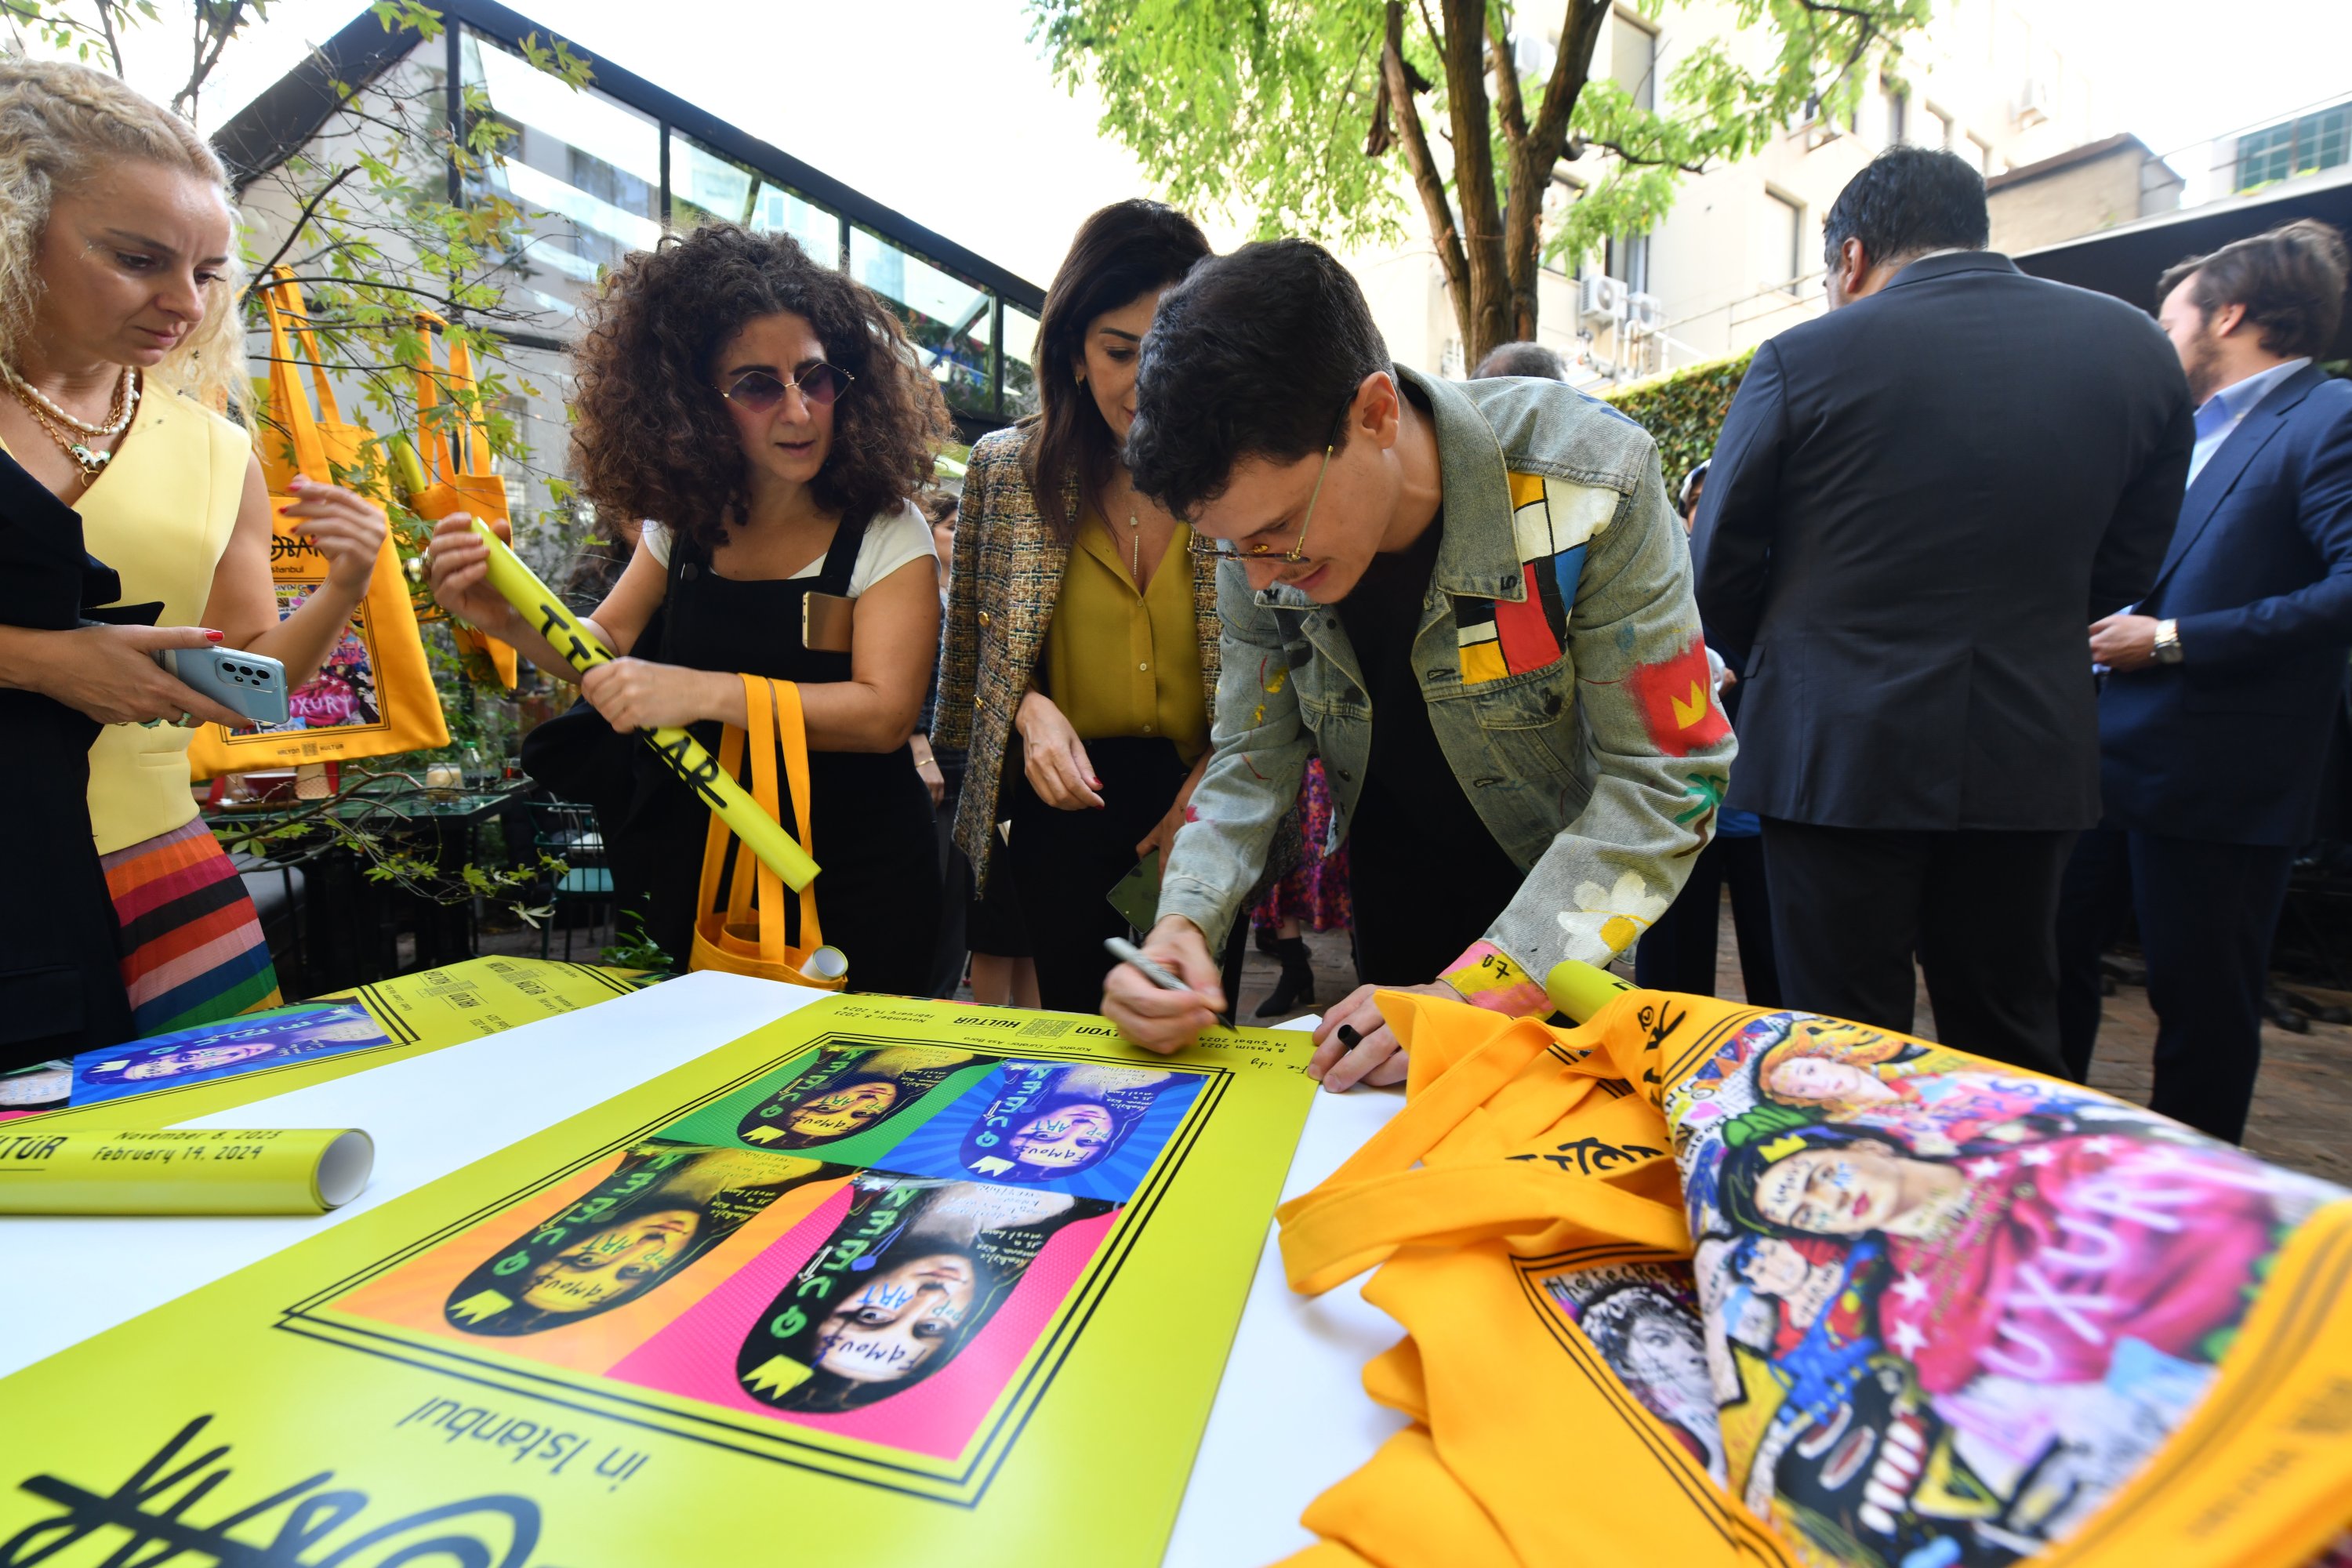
(2168, 642)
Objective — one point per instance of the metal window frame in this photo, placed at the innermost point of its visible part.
(295, 108)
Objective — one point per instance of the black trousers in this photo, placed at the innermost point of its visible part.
(2206, 914)
(1677, 953)
(1064, 864)
(1851, 906)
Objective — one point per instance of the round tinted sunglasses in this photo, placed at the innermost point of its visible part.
(759, 391)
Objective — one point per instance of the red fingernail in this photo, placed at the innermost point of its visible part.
(213, 635)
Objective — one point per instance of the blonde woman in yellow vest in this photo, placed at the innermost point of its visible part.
(118, 323)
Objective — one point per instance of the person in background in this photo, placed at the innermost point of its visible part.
(1078, 618)
(942, 772)
(2225, 679)
(118, 324)
(1913, 500)
(1677, 953)
(988, 933)
(1500, 667)
(763, 410)
(1520, 359)
(1311, 895)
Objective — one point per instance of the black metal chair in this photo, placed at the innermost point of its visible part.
(570, 832)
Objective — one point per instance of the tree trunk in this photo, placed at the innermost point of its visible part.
(1535, 152)
(1487, 321)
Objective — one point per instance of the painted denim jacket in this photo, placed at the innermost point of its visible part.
(1560, 653)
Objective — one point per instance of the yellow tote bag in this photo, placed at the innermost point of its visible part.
(457, 457)
(747, 933)
(375, 696)
(1702, 1284)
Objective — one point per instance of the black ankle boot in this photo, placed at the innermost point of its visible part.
(1296, 989)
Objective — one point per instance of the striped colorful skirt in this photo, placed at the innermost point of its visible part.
(193, 948)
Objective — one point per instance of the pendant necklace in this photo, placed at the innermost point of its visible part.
(62, 427)
(1136, 535)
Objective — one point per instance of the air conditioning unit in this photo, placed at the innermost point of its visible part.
(1643, 313)
(2035, 101)
(1600, 299)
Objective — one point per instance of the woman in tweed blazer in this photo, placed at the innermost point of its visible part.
(1089, 807)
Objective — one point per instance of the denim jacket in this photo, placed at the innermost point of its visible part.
(1568, 686)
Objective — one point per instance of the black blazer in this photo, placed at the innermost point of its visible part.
(2228, 745)
(1918, 504)
(61, 963)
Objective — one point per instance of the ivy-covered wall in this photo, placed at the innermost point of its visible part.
(1683, 411)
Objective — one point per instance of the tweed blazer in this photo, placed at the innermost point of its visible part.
(1001, 596)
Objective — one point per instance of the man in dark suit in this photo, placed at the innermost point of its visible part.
(2228, 675)
(1913, 500)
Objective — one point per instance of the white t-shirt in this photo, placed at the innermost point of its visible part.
(890, 541)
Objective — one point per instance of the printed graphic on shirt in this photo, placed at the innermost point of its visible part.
(1090, 1130)
(1644, 1319)
(1551, 522)
(1950, 1310)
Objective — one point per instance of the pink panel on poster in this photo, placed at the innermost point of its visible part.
(694, 1357)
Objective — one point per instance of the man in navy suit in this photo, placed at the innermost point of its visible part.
(2226, 678)
(1916, 503)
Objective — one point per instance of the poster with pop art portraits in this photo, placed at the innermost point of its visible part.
(887, 1280)
(1945, 1312)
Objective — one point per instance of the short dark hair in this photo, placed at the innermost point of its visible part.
(1257, 354)
(1122, 252)
(1520, 359)
(1907, 200)
(2291, 280)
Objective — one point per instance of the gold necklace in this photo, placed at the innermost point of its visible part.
(1137, 536)
(118, 412)
(89, 459)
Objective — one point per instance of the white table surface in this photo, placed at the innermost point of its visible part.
(1290, 1417)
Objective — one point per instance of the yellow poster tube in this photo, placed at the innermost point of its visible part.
(687, 756)
(162, 1170)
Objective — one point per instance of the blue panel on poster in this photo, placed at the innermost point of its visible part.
(1090, 1129)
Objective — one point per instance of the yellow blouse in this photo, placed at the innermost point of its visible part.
(160, 514)
(1120, 662)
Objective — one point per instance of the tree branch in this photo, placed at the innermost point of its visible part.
(216, 23)
(1514, 113)
(1630, 157)
(1428, 183)
(106, 31)
(300, 219)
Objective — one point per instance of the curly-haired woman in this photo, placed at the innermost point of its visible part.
(1078, 618)
(761, 409)
(118, 323)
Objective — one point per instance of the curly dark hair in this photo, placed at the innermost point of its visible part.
(651, 438)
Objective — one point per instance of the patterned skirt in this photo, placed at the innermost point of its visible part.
(1314, 893)
(193, 948)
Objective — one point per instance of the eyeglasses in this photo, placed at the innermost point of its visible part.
(759, 391)
(1263, 550)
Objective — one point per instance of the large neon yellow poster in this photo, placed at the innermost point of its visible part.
(886, 1281)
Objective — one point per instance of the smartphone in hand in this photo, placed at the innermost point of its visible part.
(254, 684)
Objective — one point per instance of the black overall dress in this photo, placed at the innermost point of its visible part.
(877, 892)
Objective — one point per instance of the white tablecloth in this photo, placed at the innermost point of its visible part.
(1290, 1417)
